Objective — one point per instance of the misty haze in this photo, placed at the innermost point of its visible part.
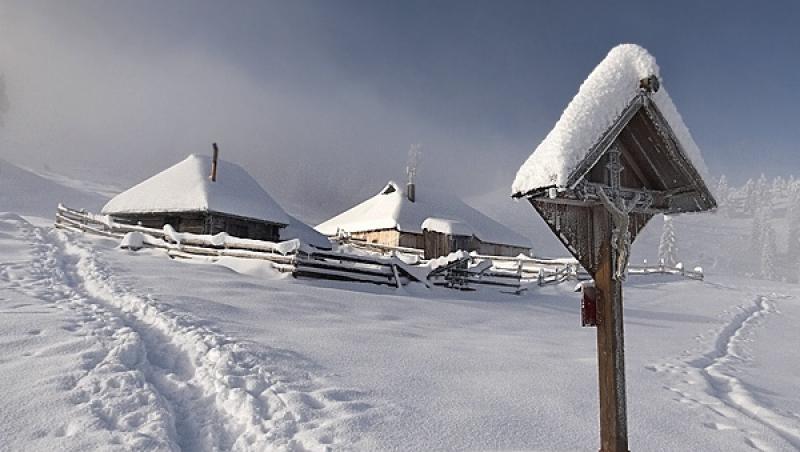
(348, 225)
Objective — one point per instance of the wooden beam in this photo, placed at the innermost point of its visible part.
(644, 154)
(683, 162)
(610, 346)
(634, 166)
(597, 151)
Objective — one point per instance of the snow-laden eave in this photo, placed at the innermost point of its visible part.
(694, 167)
(704, 199)
(602, 101)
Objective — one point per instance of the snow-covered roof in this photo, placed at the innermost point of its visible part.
(305, 233)
(600, 102)
(391, 209)
(186, 187)
(446, 226)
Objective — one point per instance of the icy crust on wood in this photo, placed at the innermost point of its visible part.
(222, 239)
(186, 187)
(391, 209)
(600, 102)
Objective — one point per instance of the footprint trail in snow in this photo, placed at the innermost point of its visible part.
(711, 381)
(161, 380)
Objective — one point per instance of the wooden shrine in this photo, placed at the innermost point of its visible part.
(637, 168)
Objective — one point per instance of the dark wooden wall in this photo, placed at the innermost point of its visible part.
(205, 223)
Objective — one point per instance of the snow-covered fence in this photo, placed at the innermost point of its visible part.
(379, 264)
(290, 256)
(348, 267)
(177, 244)
(378, 247)
(526, 269)
(677, 270)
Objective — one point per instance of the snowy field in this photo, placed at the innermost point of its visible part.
(106, 349)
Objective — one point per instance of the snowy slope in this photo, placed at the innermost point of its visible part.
(135, 338)
(28, 193)
(391, 209)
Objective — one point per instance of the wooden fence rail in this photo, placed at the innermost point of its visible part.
(378, 264)
(302, 261)
(526, 269)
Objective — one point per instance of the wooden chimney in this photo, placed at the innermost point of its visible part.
(214, 159)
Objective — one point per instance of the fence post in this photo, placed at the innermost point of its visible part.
(396, 276)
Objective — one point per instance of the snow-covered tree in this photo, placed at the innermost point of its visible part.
(722, 193)
(722, 186)
(761, 190)
(778, 186)
(793, 220)
(756, 240)
(768, 254)
(750, 202)
(668, 247)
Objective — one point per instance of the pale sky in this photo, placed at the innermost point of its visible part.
(321, 100)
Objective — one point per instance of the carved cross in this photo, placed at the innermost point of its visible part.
(612, 198)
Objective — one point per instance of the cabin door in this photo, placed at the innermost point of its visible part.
(435, 244)
(438, 244)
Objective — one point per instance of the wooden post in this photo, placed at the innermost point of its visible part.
(214, 158)
(610, 353)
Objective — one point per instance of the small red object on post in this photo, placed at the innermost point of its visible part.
(588, 304)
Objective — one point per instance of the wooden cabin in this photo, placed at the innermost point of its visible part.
(202, 195)
(433, 222)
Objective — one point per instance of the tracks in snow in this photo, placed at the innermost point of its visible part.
(164, 381)
(723, 392)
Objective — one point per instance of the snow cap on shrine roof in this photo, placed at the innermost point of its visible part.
(600, 103)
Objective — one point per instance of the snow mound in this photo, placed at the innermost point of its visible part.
(132, 240)
(445, 226)
(600, 102)
(391, 209)
(442, 261)
(186, 187)
(250, 267)
(305, 234)
(223, 240)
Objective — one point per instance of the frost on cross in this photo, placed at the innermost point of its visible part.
(619, 154)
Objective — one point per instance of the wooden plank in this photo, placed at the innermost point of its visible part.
(340, 275)
(383, 272)
(610, 347)
(347, 258)
(82, 227)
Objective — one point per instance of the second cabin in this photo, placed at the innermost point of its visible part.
(434, 222)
